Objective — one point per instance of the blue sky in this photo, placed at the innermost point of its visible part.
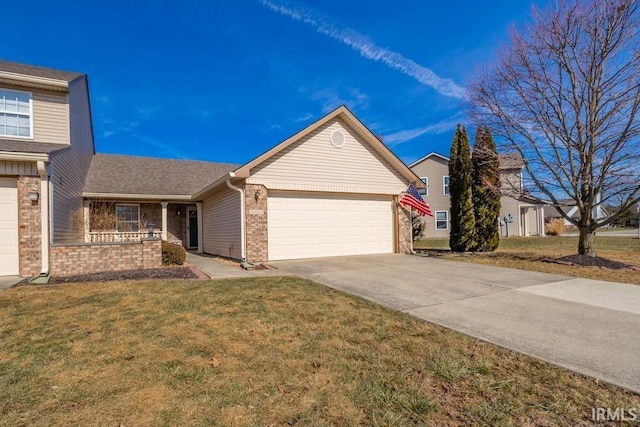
(227, 80)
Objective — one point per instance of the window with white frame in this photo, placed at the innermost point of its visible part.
(445, 185)
(424, 191)
(127, 217)
(15, 113)
(442, 220)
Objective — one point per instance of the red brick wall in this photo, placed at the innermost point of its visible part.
(29, 226)
(83, 258)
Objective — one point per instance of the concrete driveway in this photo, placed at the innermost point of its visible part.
(584, 325)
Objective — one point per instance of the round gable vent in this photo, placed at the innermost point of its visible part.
(337, 139)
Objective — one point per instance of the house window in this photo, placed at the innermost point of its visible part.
(425, 191)
(127, 218)
(442, 220)
(445, 185)
(15, 113)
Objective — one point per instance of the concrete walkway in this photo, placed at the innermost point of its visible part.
(8, 281)
(584, 325)
(216, 269)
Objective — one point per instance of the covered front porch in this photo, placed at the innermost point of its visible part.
(129, 220)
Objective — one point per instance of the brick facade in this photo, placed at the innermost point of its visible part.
(256, 222)
(83, 258)
(29, 226)
(405, 234)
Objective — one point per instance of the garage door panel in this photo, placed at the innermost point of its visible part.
(8, 227)
(318, 225)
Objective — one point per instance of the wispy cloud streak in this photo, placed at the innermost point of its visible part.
(398, 138)
(367, 48)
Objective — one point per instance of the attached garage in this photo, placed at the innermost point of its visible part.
(331, 189)
(308, 225)
(9, 261)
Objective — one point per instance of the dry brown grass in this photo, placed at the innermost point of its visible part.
(555, 227)
(532, 253)
(265, 351)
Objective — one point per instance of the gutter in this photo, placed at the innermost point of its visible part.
(44, 217)
(24, 157)
(243, 237)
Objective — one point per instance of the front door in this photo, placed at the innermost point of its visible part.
(192, 225)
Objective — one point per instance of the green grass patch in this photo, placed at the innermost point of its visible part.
(263, 351)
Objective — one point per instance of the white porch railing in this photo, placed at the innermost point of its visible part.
(120, 236)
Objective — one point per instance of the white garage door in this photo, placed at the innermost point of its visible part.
(8, 227)
(305, 225)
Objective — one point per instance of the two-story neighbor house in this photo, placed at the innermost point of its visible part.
(46, 146)
(66, 210)
(527, 215)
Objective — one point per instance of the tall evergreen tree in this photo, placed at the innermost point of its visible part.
(461, 237)
(486, 191)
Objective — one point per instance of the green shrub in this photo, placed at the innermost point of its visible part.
(172, 253)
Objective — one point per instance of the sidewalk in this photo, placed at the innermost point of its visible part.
(217, 269)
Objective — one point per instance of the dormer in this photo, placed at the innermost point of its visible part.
(34, 104)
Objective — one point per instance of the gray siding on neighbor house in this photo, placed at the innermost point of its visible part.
(314, 164)
(70, 167)
(434, 168)
(221, 224)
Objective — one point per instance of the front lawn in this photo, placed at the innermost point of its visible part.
(263, 351)
(533, 253)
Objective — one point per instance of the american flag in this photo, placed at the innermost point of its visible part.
(413, 199)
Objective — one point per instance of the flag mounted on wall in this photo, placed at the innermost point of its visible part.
(413, 199)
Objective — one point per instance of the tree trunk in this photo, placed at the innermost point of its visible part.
(586, 242)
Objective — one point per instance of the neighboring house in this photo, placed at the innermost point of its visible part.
(527, 214)
(329, 190)
(46, 146)
(571, 210)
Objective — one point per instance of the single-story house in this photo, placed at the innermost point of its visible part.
(329, 190)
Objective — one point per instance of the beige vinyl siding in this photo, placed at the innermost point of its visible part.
(434, 168)
(50, 118)
(18, 168)
(69, 168)
(221, 224)
(314, 164)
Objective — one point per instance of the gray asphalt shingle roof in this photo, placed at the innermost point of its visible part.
(13, 146)
(118, 174)
(32, 70)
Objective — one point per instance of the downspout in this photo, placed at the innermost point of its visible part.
(44, 217)
(243, 240)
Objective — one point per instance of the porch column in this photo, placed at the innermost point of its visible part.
(164, 220)
(199, 213)
(541, 210)
(86, 205)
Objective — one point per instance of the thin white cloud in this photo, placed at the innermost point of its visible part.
(367, 48)
(402, 136)
(332, 99)
(304, 118)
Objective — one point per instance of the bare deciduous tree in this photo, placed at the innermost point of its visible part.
(565, 94)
